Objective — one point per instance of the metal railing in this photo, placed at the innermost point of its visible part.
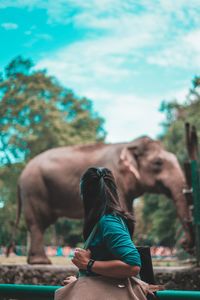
(44, 292)
(28, 292)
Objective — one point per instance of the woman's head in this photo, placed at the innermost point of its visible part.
(99, 193)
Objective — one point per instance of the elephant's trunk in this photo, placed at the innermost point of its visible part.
(176, 187)
(184, 214)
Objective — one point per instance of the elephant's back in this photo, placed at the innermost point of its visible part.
(69, 161)
(76, 154)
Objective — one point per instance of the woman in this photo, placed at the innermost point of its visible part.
(110, 257)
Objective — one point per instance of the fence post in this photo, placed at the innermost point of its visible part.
(193, 181)
(196, 210)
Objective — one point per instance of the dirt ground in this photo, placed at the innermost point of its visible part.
(60, 260)
(18, 260)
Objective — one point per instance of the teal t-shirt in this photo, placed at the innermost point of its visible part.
(112, 241)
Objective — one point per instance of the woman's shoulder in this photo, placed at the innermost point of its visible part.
(110, 216)
(110, 219)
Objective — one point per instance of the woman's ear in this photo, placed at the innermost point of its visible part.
(126, 161)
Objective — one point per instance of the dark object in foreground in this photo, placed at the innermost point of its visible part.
(146, 272)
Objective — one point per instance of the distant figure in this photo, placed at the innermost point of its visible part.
(11, 249)
(59, 251)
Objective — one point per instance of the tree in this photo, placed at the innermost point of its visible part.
(157, 209)
(157, 212)
(36, 113)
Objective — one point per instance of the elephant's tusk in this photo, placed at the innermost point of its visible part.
(127, 161)
(134, 171)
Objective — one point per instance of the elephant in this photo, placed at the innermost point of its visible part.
(48, 187)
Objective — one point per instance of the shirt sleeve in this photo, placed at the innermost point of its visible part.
(118, 240)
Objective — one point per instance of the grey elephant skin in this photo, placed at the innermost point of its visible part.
(48, 187)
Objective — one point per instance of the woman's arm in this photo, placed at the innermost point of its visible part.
(117, 240)
(111, 268)
(115, 268)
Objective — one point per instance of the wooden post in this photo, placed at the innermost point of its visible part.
(193, 181)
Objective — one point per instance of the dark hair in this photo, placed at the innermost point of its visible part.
(100, 197)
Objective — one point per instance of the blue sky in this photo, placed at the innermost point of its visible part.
(126, 56)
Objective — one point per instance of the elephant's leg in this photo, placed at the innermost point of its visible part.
(37, 220)
(37, 253)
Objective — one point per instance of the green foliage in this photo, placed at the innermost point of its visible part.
(65, 232)
(160, 218)
(8, 203)
(74, 230)
(36, 114)
(159, 215)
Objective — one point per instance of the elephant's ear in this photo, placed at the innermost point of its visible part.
(138, 150)
(126, 160)
(139, 147)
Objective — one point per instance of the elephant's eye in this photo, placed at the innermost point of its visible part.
(157, 165)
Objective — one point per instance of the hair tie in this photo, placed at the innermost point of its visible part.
(100, 173)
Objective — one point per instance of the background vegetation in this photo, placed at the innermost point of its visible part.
(37, 113)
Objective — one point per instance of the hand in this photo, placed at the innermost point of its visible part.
(81, 258)
(69, 279)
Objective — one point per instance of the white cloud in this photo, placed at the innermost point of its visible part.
(9, 26)
(111, 57)
(74, 10)
(90, 62)
(31, 30)
(144, 23)
(127, 116)
(44, 36)
(127, 27)
(95, 69)
(35, 37)
(182, 52)
(179, 95)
